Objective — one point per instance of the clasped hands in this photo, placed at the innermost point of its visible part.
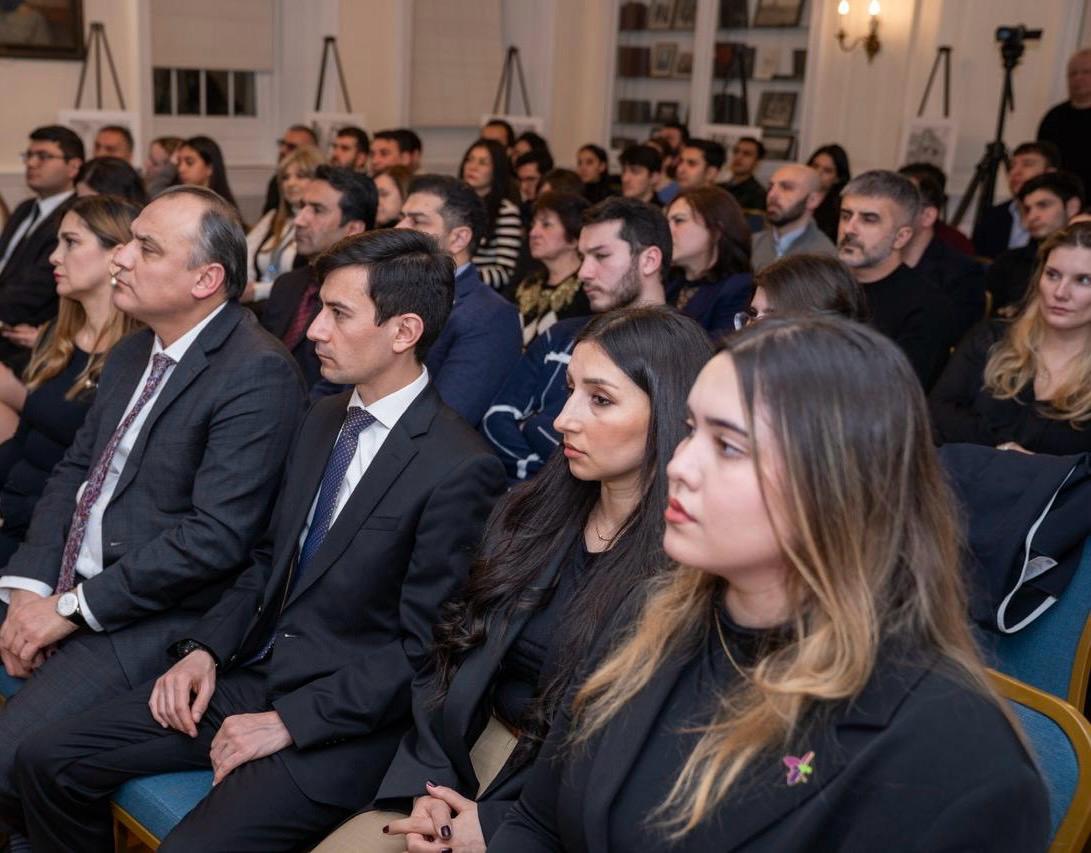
(442, 821)
(180, 698)
(31, 631)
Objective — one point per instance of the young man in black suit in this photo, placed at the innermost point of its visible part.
(295, 687)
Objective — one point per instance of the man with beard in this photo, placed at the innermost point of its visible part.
(878, 212)
(626, 247)
(794, 194)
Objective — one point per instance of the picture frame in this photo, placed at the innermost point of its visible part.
(660, 14)
(776, 110)
(779, 146)
(663, 55)
(683, 64)
(667, 111)
(326, 124)
(930, 140)
(86, 124)
(734, 15)
(778, 13)
(43, 29)
(685, 15)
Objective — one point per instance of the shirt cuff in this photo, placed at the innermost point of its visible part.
(10, 582)
(262, 289)
(85, 611)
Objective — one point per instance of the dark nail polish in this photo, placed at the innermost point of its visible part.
(386, 830)
(445, 833)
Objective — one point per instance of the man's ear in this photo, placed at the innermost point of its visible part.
(458, 240)
(902, 237)
(407, 332)
(1071, 208)
(650, 261)
(355, 227)
(211, 277)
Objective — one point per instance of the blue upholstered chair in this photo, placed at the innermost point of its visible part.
(150, 807)
(1053, 653)
(8, 686)
(1061, 740)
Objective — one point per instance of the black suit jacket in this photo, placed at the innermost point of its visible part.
(1008, 278)
(917, 762)
(352, 631)
(277, 314)
(992, 233)
(961, 278)
(195, 492)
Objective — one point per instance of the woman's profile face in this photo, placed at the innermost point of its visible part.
(605, 422)
(827, 170)
(692, 240)
(80, 264)
(717, 518)
(192, 169)
(589, 167)
(547, 239)
(760, 304)
(1064, 288)
(477, 170)
(390, 199)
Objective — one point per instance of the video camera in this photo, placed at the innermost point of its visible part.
(1017, 34)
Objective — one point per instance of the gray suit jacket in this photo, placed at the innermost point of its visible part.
(811, 242)
(196, 490)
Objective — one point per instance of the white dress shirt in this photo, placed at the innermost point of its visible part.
(46, 206)
(89, 560)
(387, 412)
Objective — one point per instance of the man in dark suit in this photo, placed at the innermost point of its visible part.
(295, 687)
(28, 295)
(169, 482)
(336, 203)
(483, 338)
(1002, 227)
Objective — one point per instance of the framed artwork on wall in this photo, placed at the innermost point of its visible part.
(663, 55)
(930, 140)
(683, 65)
(778, 13)
(42, 29)
(685, 14)
(660, 14)
(776, 110)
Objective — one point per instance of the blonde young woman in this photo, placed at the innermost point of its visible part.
(805, 679)
(63, 373)
(1026, 384)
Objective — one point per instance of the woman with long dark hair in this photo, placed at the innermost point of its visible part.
(805, 284)
(562, 554)
(832, 164)
(486, 169)
(201, 164)
(593, 167)
(111, 176)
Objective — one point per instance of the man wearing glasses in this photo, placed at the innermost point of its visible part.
(27, 292)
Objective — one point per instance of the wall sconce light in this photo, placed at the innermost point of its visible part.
(871, 40)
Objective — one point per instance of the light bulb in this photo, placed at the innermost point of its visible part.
(843, 7)
(873, 8)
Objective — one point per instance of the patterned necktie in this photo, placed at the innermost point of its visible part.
(304, 315)
(93, 489)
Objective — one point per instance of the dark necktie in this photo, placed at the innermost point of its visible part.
(32, 220)
(93, 489)
(304, 314)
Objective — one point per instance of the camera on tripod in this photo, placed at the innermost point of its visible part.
(1017, 35)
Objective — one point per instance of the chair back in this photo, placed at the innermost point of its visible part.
(1061, 740)
(8, 686)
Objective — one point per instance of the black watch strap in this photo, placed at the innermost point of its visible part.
(184, 647)
(77, 619)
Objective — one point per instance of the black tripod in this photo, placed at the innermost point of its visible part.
(513, 66)
(96, 41)
(984, 180)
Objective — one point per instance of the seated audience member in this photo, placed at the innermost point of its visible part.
(641, 169)
(878, 213)
(529, 170)
(943, 232)
(583, 538)
(746, 154)
(528, 141)
(481, 340)
(111, 176)
(201, 164)
(832, 164)
(666, 188)
(395, 147)
(335, 203)
(805, 284)
(498, 130)
(711, 281)
(699, 164)
(485, 168)
(805, 677)
(1002, 227)
(411, 142)
(560, 181)
(1026, 384)
(392, 185)
(626, 247)
(350, 149)
(593, 166)
(308, 658)
(1048, 202)
(955, 273)
(794, 195)
(166, 487)
(271, 245)
(295, 137)
(28, 296)
(1068, 124)
(113, 140)
(553, 291)
(49, 403)
(159, 168)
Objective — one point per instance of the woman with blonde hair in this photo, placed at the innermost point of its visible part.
(1026, 384)
(805, 679)
(64, 368)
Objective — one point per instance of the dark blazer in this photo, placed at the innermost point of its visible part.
(715, 302)
(437, 747)
(477, 349)
(1008, 278)
(278, 312)
(917, 762)
(353, 630)
(961, 278)
(196, 490)
(992, 233)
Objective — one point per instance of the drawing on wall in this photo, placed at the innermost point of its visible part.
(930, 140)
(41, 29)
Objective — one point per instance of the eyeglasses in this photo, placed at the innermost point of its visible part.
(27, 156)
(745, 318)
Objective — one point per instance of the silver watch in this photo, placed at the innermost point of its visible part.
(68, 605)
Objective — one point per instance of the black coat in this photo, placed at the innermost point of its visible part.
(280, 309)
(917, 762)
(961, 278)
(992, 233)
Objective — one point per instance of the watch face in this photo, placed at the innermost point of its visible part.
(67, 604)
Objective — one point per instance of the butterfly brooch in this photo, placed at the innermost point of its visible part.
(799, 768)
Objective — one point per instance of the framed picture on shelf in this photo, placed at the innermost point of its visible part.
(728, 134)
(633, 15)
(683, 65)
(930, 140)
(634, 112)
(778, 13)
(733, 15)
(660, 14)
(663, 55)
(685, 14)
(779, 146)
(776, 110)
(666, 111)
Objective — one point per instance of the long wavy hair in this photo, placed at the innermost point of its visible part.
(109, 218)
(209, 150)
(306, 158)
(868, 529)
(662, 352)
(1013, 361)
(502, 185)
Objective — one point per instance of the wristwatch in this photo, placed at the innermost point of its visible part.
(184, 647)
(68, 607)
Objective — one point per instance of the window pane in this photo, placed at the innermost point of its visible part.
(161, 91)
(189, 91)
(215, 93)
(246, 99)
